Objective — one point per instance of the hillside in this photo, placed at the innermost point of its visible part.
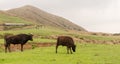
(7, 18)
(41, 17)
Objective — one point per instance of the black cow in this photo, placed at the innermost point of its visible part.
(16, 39)
(66, 41)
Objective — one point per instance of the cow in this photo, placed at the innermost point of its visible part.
(16, 39)
(66, 41)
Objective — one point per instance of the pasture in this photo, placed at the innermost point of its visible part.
(86, 53)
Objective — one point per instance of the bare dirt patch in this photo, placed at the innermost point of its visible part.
(28, 46)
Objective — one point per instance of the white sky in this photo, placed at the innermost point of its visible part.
(93, 15)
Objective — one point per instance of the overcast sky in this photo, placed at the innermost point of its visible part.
(93, 15)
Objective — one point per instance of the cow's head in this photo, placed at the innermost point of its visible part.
(31, 37)
(74, 48)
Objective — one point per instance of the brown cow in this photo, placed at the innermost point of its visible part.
(16, 39)
(66, 41)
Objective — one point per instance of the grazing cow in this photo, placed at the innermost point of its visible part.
(16, 39)
(66, 41)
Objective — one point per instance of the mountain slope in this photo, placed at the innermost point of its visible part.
(7, 18)
(41, 17)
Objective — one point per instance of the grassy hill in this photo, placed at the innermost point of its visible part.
(6, 18)
(41, 17)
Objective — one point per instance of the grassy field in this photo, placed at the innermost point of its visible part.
(85, 54)
(48, 31)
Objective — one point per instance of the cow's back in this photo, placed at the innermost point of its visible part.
(65, 41)
(15, 39)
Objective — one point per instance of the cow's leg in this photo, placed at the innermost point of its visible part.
(56, 48)
(67, 50)
(70, 50)
(21, 47)
(6, 46)
(9, 48)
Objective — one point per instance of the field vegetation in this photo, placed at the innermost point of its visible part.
(86, 53)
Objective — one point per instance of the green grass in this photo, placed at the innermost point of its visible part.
(39, 40)
(7, 19)
(1, 41)
(95, 37)
(41, 32)
(86, 54)
(47, 32)
(54, 31)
